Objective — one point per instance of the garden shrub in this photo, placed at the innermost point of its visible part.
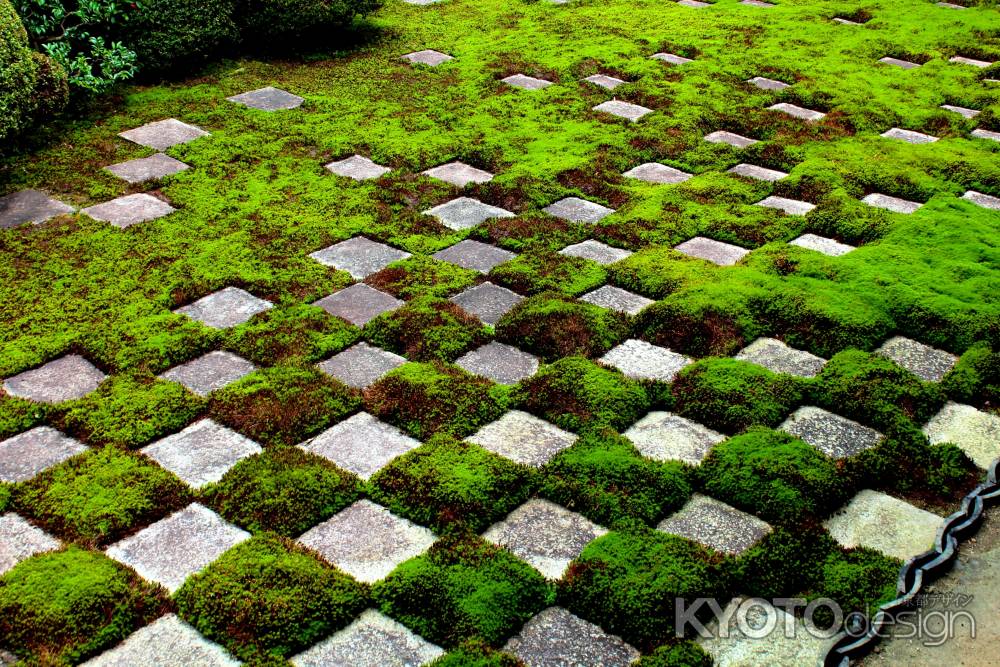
(681, 654)
(297, 333)
(422, 276)
(271, 21)
(168, 34)
(546, 270)
(426, 329)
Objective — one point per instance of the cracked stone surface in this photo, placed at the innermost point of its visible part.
(166, 641)
(575, 209)
(833, 435)
(671, 58)
(596, 251)
(147, 168)
(19, 540)
(640, 360)
(474, 255)
(961, 111)
(129, 210)
(557, 637)
(716, 525)
(526, 82)
(174, 548)
(209, 372)
(822, 244)
(889, 203)
(487, 301)
(359, 256)
(777, 357)
(64, 379)
(665, 436)
(605, 81)
(367, 541)
(909, 136)
(875, 520)
(501, 363)
(358, 304)
(459, 173)
(227, 308)
(32, 206)
(976, 432)
(626, 110)
(361, 444)
(717, 252)
(796, 111)
(466, 212)
(731, 138)
(268, 99)
(980, 133)
(927, 363)
(523, 438)
(765, 83)
(615, 298)
(358, 167)
(788, 206)
(361, 365)
(905, 64)
(757, 173)
(654, 172)
(202, 453)
(26, 454)
(373, 640)
(427, 57)
(984, 200)
(163, 134)
(545, 535)
(962, 60)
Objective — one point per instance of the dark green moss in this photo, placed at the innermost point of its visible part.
(975, 379)
(858, 579)
(18, 415)
(546, 270)
(658, 271)
(426, 329)
(296, 333)
(681, 654)
(422, 276)
(476, 654)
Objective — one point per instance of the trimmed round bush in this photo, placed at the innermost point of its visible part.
(167, 34)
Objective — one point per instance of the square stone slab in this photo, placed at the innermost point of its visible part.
(788, 206)
(596, 251)
(545, 535)
(523, 438)
(665, 436)
(756, 3)
(693, 3)
(357, 167)
(32, 206)
(130, 210)
(757, 173)
(640, 360)
(905, 64)
(844, 21)
(361, 365)
(226, 308)
(961, 111)
(833, 435)
(209, 372)
(764, 83)
(166, 641)
(555, 637)
(626, 110)
(361, 444)
(796, 111)
(64, 379)
(822, 244)
(731, 138)
(202, 453)
(367, 541)
(962, 60)
(927, 363)
(889, 203)
(26, 454)
(427, 57)
(373, 640)
(980, 133)
(147, 168)
(466, 212)
(575, 209)
(163, 134)
(886, 524)
(975, 431)
(268, 99)
(717, 252)
(19, 540)
(605, 81)
(174, 548)
(654, 172)
(909, 136)
(501, 363)
(487, 301)
(359, 256)
(459, 173)
(671, 58)
(716, 525)
(359, 304)
(777, 357)
(984, 200)
(615, 298)
(526, 82)
(474, 255)
(950, 5)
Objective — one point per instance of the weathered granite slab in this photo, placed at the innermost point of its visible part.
(64, 379)
(665, 436)
(523, 438)
(373, 640)
(359, 256)
(654, 172)
(32, 206)
(626, 110)
(731, 138)
(717, 252)
(226, 308)
(596, 251)
(209, 372)
(501, 363)
(833, 435)
(202, 453)
(149, 168)
(757, 173)
(166, 641)
(474, 255)
(822, 244)
(361, 444)
(890, 203)
(889, 525)
(268, 99)
(976, 432)
(615, 298)
(163, 134)
(575, 209)
(360, 365)
(129, 210)
(777, 357)
(557, 637)
(927, 363)
(487, 301)
(359, 304)
(427, 57)
(466, 212)
(19, 540)
(640, 360)
(26, 454)
(716, 525)
(358, 167)
(459, 173)
(788, 206)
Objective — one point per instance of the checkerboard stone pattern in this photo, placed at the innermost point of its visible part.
(523, 438)
(665, 436)
(927, 363)
(210, 372)
(487, 301)
(626, 110)
(466, 212)
(147, 168)
(163, 134)
(717, 252)
(654, 172)
(640, 360)
(777, 357)
(671, 58)
(730, 138)
(361, 365)
(26, 454)
(268, 99)
(361, 444)
(227, 308)
(19, 540)
(64, 379)
(525, 82)
(359, 256)
(367, 541)
(358, 167)
(427, 57)
(174, 548)
(909, 136)
(459, 174)
(786, 205)
(976, 432)
(545, 535)
(373, 640)
(716, 525)
(890, 203)
(501, 363)
(166, 641)
(833, 435)
(605, 81)
(822, 244)
(557, 637)
(981, 199)
(202, 453)
(359, 304)
(596, 251)
(129, 210)
(757, 173)
(617, 299)
(765, 83)
(574, 209)
(875, 520)
(796, 111)
(30, 206)
(474, 255)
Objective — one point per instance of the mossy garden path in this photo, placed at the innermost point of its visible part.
(499, 333)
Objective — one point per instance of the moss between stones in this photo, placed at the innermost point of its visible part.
(422, 276)
(476, 654)
(547, 270)
(426, 329)
(975, 378)
(18, 415)
(681, 654)
(296, 333)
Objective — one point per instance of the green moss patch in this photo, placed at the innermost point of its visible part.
(426, 329)
(476, 654)
(296, 333)
(681, 654)
(543, 271)
(422, 276)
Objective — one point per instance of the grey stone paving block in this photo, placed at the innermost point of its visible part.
(268, 99)
(163, 134)
(716, 525)
(26, 454)
(147, 168)
(557, 638)
(596, 251)
(427, 57)
(459, 173)
(654, 172)
(822, 244)
(358, 167)
(984, 200)
(469, 254)
(361, 365)
(361, 444)
(64, 379)
(501, 363)
(545, 535)
(796, 111)
(731, 138)
(526, 82)
(164, 642)
(905, 64)
(909, 136)
(523, 438)
(756, 3)
(950, 5)
(757, 173)
(422, 2)
(975, 431)
(174, 548)
(890, 203)
(226, 308)
(844, 21)
(605, 81)
(31, 206)
(962, 60)
(130, 210)
(877, 521)
(980, 133)
(640, 360)
(788, 206)
(359, 304)
(961, 111)
(777, 357)
(665, 436)
(487, 301)
(833, 435)
(466, 212)
(575, 209)
(19, 540)
(927, 363)
(359, 256)
(615, 298)
(764, 83)
(373, 640)
(626, 110)
(693, 3)
(367, 541)
(671, 58)
(210, 371)
(717, 252)
(201, 453)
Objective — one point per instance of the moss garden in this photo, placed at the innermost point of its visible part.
(486, 332)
